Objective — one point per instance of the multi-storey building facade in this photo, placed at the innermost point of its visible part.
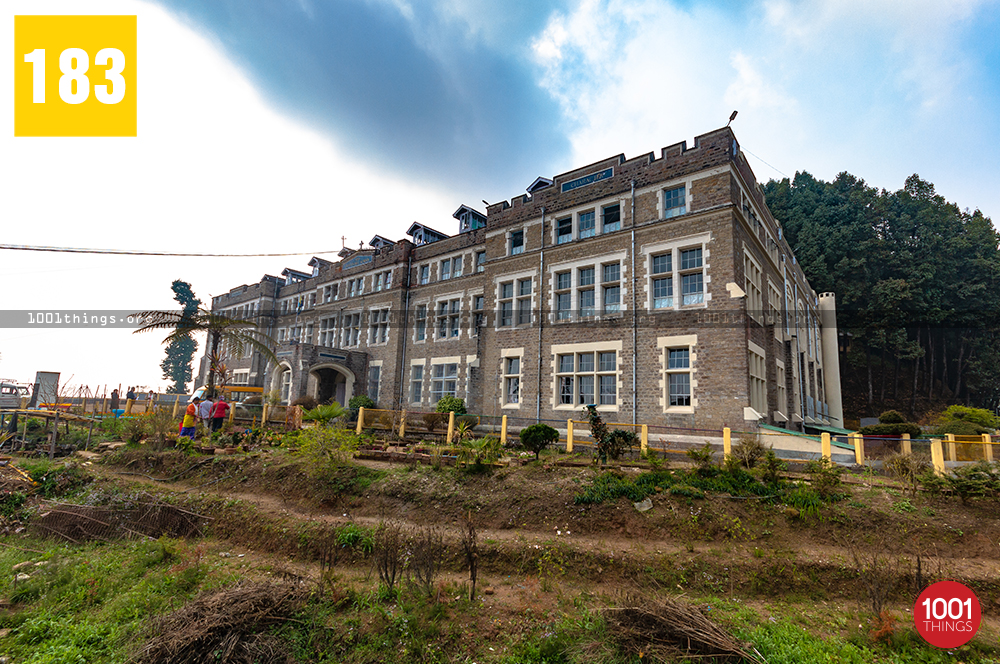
(659, 288)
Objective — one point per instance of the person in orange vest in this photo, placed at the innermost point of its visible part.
(187, 426)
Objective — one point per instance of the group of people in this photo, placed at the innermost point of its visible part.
(212, 414)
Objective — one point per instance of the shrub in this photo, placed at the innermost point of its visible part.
(253, 400)
(891, 417)
(980, 416)
(749, 450)
(772, 467)
(704, 459)
(537, 437)
(434, 421)
(326, 447)
(451, 404)
(907, 468)
(974, 481)
(961, 428)
(307, 403)
(134, 430)
(825, 477)
(891, 430)
(617, 442)
(360, 401)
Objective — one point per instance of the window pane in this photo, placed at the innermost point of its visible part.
(690, 259)
(507, 290)
(679, 359)
(587, 276)
(565, 364)
(612, 272)
(566, 390)
(513, 365)
(506, 313)
(586, 389)
(608, 361)
(562, 306)
(680, 389)
(586, 224)
(563, 281)
(513, 390)
(663, 291)
(477, 302)
(587, 303)
(662, 264)
(609, 390)
(517, 242)
(692, 289)
(524, 287)
(612, 298)
(673, 202)
(586, 362)
(523, 312)
(612, 218)
(564, 230)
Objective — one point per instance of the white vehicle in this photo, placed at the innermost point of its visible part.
(10, 395)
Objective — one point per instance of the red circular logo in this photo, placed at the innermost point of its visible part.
(947, 614)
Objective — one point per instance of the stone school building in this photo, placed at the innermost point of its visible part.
(659, 288)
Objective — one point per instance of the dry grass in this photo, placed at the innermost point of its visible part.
(225, 627)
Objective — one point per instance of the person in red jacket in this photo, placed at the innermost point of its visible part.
(219, 411)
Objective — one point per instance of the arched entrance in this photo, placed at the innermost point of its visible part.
(331, 382)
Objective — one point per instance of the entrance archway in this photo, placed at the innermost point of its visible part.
(331, 382)
(281, 380)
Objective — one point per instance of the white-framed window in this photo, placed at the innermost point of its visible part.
(480, 261)
(444, 272)
(351, 332)
(752, 283)
(309, 333)
(312, 300)
(564, 230)
(457, 266)
(611, 218)
(774, 307)
(611, 275)
(678, 367)
(425, 275)
(663, 280)
(286, 384)
(516, 242)
(240, 377)
(692, 274)
(586, 224)
(585, 286)
(444, 381)
(782, 391)
(374, 378)
(512, 380)
(281, 334)
(674, 202)
(421, 322)
(328, 292)
(758, 378)
(448, 315)
(328, 332)
(378, 326)
(416, 383)
(382, 280)
(564, 295)
(678, 376)
(586, 378)
(478, 302)
(514, 299)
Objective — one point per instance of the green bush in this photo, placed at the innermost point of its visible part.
(704, 459)
(980, 416)
(961, 428)
(451, 404)
(891, 430)
(891, 417)
(360, 401)
(978, 480)
(825, 477)
(749, 450)
(537, 437)
(324, 414)
(772, 467)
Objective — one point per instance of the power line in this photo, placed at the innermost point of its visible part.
(134, 252)
(761, 160)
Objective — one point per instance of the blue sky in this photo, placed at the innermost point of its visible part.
(289, 124)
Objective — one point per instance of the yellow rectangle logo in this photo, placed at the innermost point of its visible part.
(75, 76)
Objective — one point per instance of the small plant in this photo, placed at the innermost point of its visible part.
(185, 445)
(450, 404)
(891, 417)
(463, 431)
(390, 545)
(327, 447)
(324, 414)
(470, 546)
(704, 459)
(825, 477)
(134, 430)
(772, 467)
(537, 437)
(480, 452)
(550, 566)
(434, 421)
(907, 468)
(749, 450)
(427, 558)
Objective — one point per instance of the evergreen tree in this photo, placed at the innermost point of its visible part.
(180, 351)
